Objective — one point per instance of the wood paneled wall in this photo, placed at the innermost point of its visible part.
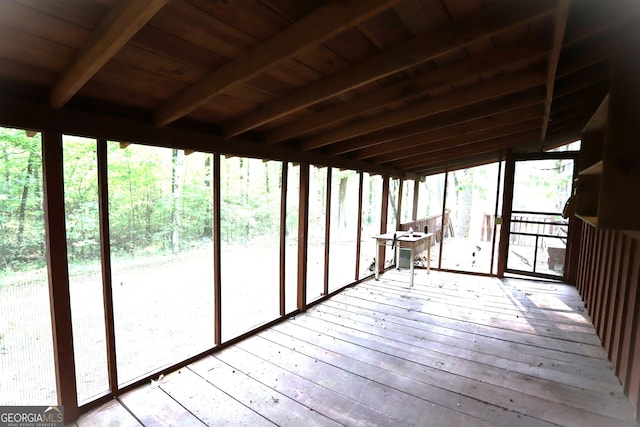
(608, 281)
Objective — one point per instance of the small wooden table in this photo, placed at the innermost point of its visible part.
(404, 241)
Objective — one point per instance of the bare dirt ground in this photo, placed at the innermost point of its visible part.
(163, 313)
(163, 310)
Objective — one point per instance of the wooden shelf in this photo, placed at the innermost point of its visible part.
(591, 220)
(594, 169)
(607, 194)
(599, 118)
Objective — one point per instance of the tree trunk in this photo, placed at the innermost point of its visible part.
(176, 158)
(342, 203)
(23, 199)
(208, 217)
(393, 193)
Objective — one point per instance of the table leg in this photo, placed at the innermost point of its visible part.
(429, 256)
(411, 264)
(377, 255)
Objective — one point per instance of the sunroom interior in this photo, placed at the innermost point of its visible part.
(190, 185)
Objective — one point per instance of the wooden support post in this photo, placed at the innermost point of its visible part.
(507, 205)
(327, 231)
(444, 210)
(303, 236)
(217, 263)
(495, 214)
(105, 253)
(283, 236)
(59, 297)
(399, 207)
(383, 220)
(359, 231)
(416, 193)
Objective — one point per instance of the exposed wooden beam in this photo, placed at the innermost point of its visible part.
(455, 145)
(478, 160)
(440, 78)
(554, 56)
(450, 118)
(579, 81)
(480, 92)
(496, 144)
(492, 20)
(409, 144)
(585, 55)
(115, 31)
(311, 30)
(33, 115)
(591, 17)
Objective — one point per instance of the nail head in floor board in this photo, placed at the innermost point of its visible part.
(447, 330)
(208, 403)
(111, 413)
(481, 329)
(322, 399)
(599, 403)
(397, 404)
(534, 366)
(389, 375)
(152, 406)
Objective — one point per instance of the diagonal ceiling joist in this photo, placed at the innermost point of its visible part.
(495, 19)
(492, 89)
(440, 78)
(122, 23)
(461, 142)
(554, 56)
(406, 147)
(495, 144)
(438, 121)
(311, 30)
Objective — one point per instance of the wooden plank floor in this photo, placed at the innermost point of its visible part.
(454, 350)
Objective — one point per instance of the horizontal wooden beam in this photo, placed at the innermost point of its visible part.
(437, 121)
(310, 30)
(453, 146)
(583, 79)
(499, 17)
(408, 145)
(492, 89)
(122, 23)
(589, 18)
(496, 145)
(27, 114)
(440, 78)
(462, 163)
(554, 56)
(585, 55)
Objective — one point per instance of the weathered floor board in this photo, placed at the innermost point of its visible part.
(454, 350)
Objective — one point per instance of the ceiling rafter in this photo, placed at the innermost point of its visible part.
(462, 141)
(438, 79)
(562, 14)
(122, 23)
(495, 144)
(313, 29)
(492, 89)
(493, 20)
(405, 147)
(438, 121)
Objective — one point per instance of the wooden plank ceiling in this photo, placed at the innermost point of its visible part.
(410, 85)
